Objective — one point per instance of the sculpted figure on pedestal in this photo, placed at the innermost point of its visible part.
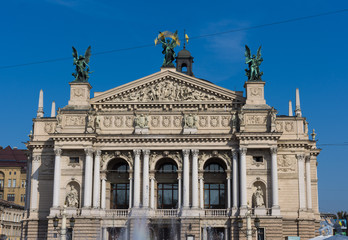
(72, 198)
(254, 62)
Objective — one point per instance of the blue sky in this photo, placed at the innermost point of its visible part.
(309, 54)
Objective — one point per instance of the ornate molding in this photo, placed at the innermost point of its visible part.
(146, 151)
(273, 150)
(285, 164)
(58, 151)
(300, 157)
(243, 150)
(195, 152)
(89, 151)
(137, 152)
(186, 152)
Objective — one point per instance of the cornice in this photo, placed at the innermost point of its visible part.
(258, 136)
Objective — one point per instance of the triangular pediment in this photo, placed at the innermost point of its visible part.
(167, 86)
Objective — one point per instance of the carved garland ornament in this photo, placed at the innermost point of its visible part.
(177, 121)
(289, 126)
(166, 121)
(203, 121)
(118, 121)
(214, 121)
(225, 121)
(155, 121)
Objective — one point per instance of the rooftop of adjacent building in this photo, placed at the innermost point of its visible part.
(7, 204)
(12, 157)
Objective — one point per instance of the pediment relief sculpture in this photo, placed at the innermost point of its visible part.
(166, 90)
(190, 121)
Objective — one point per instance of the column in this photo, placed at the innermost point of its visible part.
(34, 182)
(136, 201)
(228, 178)
(186, 172)
(56, 181)
(308, 182)
(28, 183)
(179, 190)
(96, 183)
(152, 201)
(301, 182)
(130, 190)
(274, 176)
(201, 191)
(146, 153)
(243, 188)
(103, 191)
(235, 178)
(87, 197)
(226, 233)
(195, 178)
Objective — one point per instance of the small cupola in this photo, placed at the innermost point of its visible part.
(184, 62)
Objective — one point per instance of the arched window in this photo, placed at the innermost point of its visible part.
(118, 178)
(214, 185)
(184, 68)
(167, 185)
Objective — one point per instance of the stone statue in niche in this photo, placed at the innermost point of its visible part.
(258, 197)
(72, 197)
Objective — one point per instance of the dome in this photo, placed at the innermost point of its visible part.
(184, 53)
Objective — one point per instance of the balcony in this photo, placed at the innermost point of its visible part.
(216, 212)
(116, 213)
(170, 213)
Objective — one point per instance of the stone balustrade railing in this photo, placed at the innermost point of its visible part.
(216, 212)
(166, 212)
(117, 213)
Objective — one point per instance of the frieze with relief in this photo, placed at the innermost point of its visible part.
(75, 120)
(50, 127)
(106, 156)
(286, 164)
(167, 90)
(256, 120)
(156, 155)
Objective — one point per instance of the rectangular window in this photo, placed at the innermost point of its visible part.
(14, 183)
(261, 234)
(10, 197)
(1, 184)
(167, 195)
(22, 197)
(258, 159)
(23, 183)
(9, 183)
(74, 160)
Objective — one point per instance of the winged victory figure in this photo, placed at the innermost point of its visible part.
(82, 67)
(254, 62)
(168, 46)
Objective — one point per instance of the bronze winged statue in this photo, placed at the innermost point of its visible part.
(254, 62)
(82, 67)
(168, 46)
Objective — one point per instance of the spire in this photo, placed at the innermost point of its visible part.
(40, 112)
(290, 108)
(298, 112)
(53, 109)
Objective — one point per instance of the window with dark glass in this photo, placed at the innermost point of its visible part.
(214, 168)
(167, 195)
(260, 234)
(74, 160)
(120, 168)
(258, 159)
(119, 195)
(10, 197)
(168, 168)
(214, 196)
(1, 184)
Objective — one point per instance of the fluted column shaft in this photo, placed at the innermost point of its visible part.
(130, 190)
(136, 201)
(146, 154)
(152, 201)
(96, 183)
(56, 181)
(201, 193)
(195, 203)
(274, 166)
(235, 178)
(186, 172)
(308, 182)
(103, 191)
(243, 188)
(28, 186)
(301, 181)
(34, 182)
(88, 177)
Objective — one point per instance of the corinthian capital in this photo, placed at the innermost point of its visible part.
(195, 152)
(235, 153)
(300, 157)
(146, 151)
(58, 151)
(243, 150)
(186, 152)
(274, 150)
(98, 152)
(89, 151)
(137, 152)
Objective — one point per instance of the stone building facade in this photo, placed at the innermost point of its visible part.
(174, 155)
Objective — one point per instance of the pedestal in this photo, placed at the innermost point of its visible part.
(189, 130)
(139, 130)
(79, 94)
